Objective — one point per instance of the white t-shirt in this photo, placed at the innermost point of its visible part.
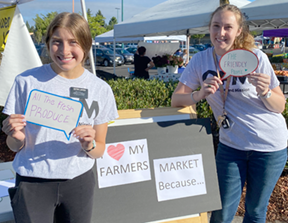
(47, 152)
(252, 125)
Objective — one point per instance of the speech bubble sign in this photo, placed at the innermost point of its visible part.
(238, 63)
(53, 111)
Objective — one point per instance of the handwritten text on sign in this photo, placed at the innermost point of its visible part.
(124, 163)
(179, 177)
(53, 111)
(238, 63)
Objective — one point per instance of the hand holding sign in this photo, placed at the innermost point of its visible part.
(238, 63)
(53, 111)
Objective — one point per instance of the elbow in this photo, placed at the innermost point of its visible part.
(173, 101)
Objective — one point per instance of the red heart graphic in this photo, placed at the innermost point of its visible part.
(116, 152)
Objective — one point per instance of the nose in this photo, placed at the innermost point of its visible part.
(222, 31)
(65, 48)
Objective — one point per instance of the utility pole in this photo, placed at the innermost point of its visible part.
(72, 5)
(117, 13)
(122, 10)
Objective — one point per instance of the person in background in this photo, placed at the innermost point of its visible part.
(253, 132)
(142, 63)
(54, 177)
(185, 58)
(178, 52)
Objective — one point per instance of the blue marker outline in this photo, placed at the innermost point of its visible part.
(61, 130)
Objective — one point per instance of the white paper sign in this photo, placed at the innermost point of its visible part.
(124, 163)
(53, 111)
(179, 177)
(238, 63)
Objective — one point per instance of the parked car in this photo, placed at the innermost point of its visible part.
(131, 49)
(106, 57)
(128, 57)
(193, 51)
(199, 47)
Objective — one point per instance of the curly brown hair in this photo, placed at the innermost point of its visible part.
(245, 40)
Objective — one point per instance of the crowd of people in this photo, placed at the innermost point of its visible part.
(54, 180)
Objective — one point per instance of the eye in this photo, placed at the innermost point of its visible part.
(55, 41)
(74, 42)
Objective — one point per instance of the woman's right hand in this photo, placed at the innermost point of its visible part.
(210, 86)
(14, 125)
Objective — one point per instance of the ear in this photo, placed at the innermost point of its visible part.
(239, 32)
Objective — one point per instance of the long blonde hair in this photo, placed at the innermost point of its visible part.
(245, 40)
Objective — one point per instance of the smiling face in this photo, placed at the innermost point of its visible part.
(66, 54)
(224, 28)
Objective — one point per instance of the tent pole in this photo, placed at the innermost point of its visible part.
(91, 58)
(114, 52)
(188, 45)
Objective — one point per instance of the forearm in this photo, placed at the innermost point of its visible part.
(275, 103)
(14, 144)
(185, 99)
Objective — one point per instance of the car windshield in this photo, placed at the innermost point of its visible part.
(108, 52)
(122, 51)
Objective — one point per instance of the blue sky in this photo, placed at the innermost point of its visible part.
(107, 7)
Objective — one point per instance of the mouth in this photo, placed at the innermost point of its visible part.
(65, 60)
(220, 40)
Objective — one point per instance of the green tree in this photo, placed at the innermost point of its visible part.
(96, 23)
(198, 36)
(30, 28)
(41, 24)
(223, 2)
(111, 24)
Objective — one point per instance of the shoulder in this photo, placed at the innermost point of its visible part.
(32, 73)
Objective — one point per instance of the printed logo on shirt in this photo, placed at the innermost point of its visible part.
(89, 110)
(214, 73)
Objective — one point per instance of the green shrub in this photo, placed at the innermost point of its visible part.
(140, 93)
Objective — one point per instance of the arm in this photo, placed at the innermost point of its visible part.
(276, 102)
(183, 94)
(86, 134)
(14, 128)
(150, 65)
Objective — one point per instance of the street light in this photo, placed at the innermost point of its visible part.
(117, 13)
(122, 10)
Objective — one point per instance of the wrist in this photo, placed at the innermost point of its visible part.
(192, 95)
(266, 94)
(93, 147)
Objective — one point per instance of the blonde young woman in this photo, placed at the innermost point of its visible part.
(55, 181)
(253, 133)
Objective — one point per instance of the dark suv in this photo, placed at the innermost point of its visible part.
(106, 57)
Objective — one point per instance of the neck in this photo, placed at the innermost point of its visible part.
(69, 74)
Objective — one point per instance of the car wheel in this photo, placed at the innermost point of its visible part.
(106, 63)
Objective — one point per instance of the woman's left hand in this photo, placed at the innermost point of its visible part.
(260, 81)
(85, 134)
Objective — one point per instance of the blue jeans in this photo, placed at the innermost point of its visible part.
(261, 170)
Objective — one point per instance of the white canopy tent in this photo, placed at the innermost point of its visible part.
(266, 14)
(173, 17)
(109, 37)
(5, 3)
